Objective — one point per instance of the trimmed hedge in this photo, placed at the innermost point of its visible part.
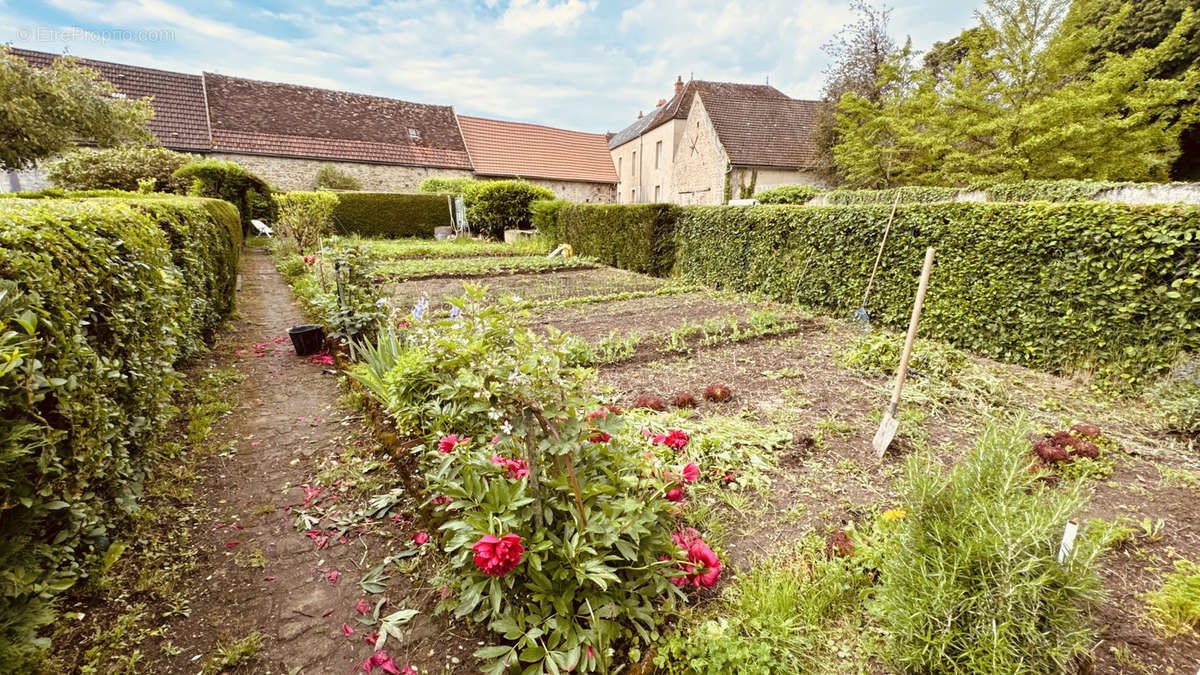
(1106, 287)
(219, 179)
(635, 237)
(545, 214)
(1026, 191)
(498, 205)
(1053, 190)
(120, 169)
(908, 195)
(788, 194)
(390, 215)
(100, 299)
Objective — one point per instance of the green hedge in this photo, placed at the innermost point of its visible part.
(545, 217)
(636, 237)
(498, 205)
(1052, 190)
(101, 299)
(908, 195)
(1081, 286)
(390, 215)
(788, 194)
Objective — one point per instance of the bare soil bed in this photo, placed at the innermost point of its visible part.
(828, 476)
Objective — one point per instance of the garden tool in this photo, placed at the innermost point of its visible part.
(860, 314)
(889, 424)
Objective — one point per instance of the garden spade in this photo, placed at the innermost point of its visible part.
(860, 314)
(887, 427)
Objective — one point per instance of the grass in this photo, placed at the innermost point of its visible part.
(1175, 606)
(410, 269)
(462, 247)
(233, 653)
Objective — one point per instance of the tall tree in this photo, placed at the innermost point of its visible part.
(1016, 99)
(860, 52)
(44, 111)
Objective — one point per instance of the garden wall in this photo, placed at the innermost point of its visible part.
(1109, 288)
(100, 300)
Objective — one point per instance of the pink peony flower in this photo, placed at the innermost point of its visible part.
(600, 437)
(498, 555)
(601, 413)
(674, 438)
(517, 468)
(451, 441)
(674, 495)
(420, 537)
(690, 472)
(703, 567)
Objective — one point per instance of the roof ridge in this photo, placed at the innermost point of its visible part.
(529, 124)
(107, 63)
(327, 89)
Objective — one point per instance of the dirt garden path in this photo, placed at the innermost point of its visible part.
(260, 573)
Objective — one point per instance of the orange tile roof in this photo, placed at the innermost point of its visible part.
(516, 149)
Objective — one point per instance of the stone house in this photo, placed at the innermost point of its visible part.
(285, 133)
(713, 141)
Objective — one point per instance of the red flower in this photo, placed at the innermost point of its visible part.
(517, 468)
(310, 259)
(441, 500)
(703, 567)
(690, 472)
(448, 443)
(498, 555)
(674, 495)
(420, 537)
(600, 437)
(674, 438)
(601, 413)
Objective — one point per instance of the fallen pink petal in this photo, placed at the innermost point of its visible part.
(231, 544)
(347, 630)
(362, 607)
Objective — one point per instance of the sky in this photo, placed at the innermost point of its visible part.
(589, 65)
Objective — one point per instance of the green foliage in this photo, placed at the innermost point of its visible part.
(974, 584)
(1177, 398)
(879, 354)
(122, 168)
(1085, 286)
(101, 299)
(1021, 100)
(459, 247)
(591, 517)
(330, 177)
(341, 287)
(44, 111)
(788, 194)
(1051, 190)
(546, 217)
(305, 216)
(408, 269)
(219, 179)
(635, 237)
(390, 214)
(496, 206)
(455, 185)
(908, 195)
(1175, 607)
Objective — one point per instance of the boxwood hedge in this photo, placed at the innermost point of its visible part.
(788, 194)
(636, 237)
(390, 215)
(1110, 288)
(100, 300)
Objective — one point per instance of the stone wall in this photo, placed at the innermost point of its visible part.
(27, 180)
(285, 173)
(577, 191)
(699, 174)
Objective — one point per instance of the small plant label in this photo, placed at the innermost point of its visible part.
(1068, 542)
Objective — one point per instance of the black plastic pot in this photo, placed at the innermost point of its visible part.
(307, 339)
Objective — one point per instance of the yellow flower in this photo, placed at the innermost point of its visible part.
(893, 514)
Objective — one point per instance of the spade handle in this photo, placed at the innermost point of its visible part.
(902, 371)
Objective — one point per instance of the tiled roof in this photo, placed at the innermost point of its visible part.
(258, 117)
(681, 104)
(534, 151)
(764, 132)
(179, 120)
(633, 130)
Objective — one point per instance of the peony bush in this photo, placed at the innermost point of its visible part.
(563, 527)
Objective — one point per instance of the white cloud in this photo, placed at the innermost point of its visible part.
(526, 16)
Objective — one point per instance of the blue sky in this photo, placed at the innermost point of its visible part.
(581, 64)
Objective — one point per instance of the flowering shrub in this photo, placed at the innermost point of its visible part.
(557, 529)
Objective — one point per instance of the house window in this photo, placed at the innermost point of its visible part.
(619, 167)
(633, 196)
(414, 134)
(658, 155)
(658, 190)
(633, 169)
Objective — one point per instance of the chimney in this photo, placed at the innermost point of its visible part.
(678, 84)
(639, 114)
(660, 102)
